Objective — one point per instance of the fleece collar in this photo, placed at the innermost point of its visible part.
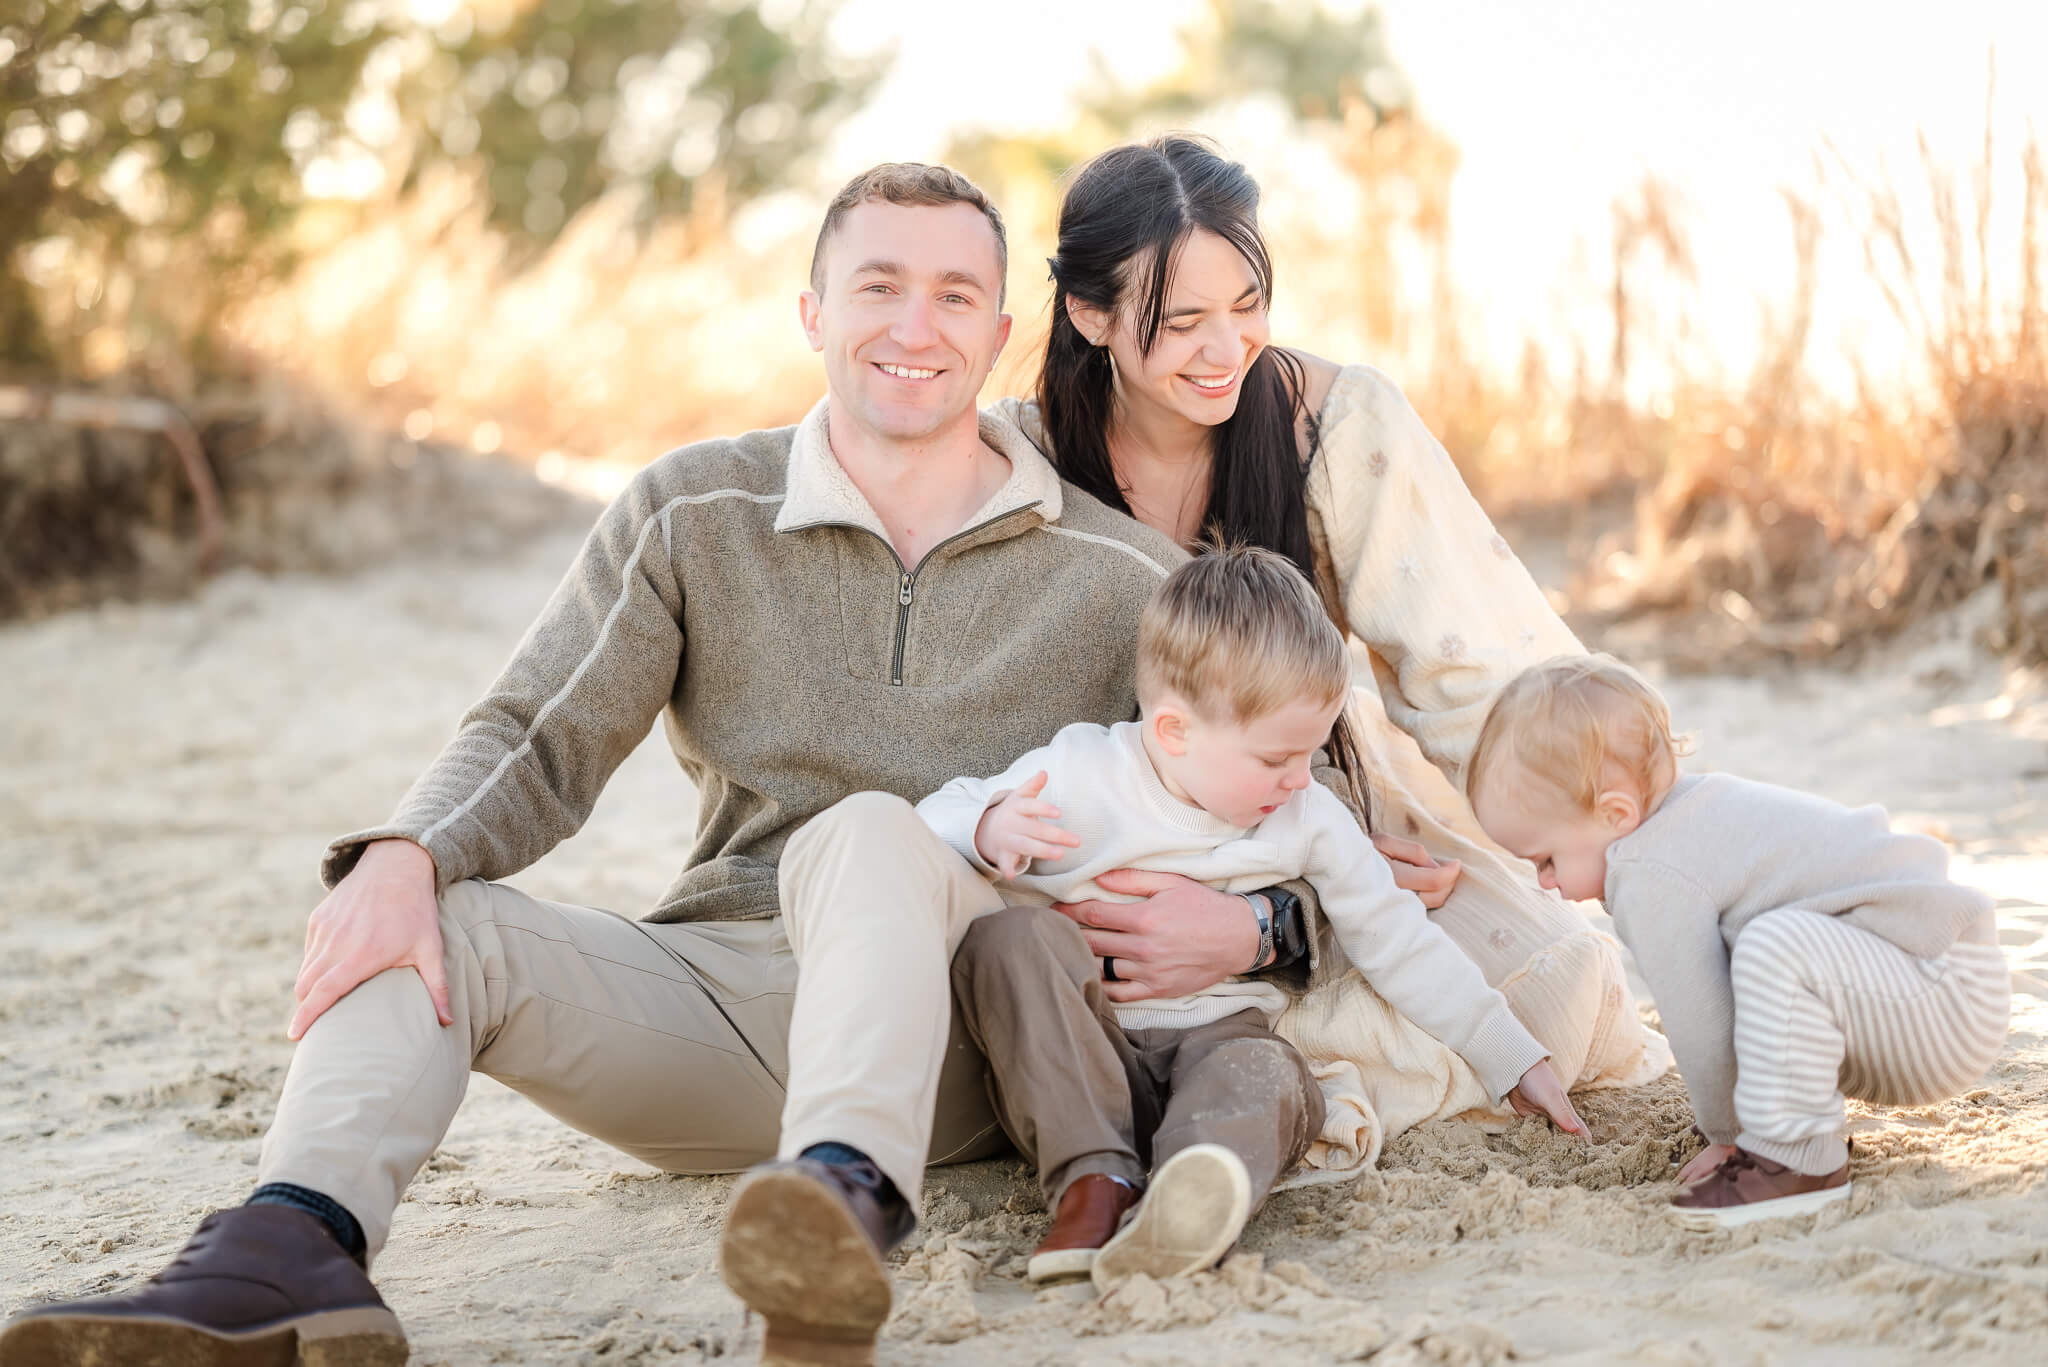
(819, 490)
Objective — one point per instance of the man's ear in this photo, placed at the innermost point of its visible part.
(807, 309)
(1003, 322)
(1170, 729)
(1620, 811)
(1094, 323)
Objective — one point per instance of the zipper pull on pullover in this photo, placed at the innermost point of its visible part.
(903, 593)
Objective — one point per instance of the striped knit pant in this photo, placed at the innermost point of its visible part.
(1825, 1010)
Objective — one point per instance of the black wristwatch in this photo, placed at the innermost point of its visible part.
(1289, 930)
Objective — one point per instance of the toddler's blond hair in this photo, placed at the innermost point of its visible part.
(1566, 720)
(1237, 634)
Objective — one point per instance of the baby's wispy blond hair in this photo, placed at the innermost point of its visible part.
(1567, 720)
(1237, 634)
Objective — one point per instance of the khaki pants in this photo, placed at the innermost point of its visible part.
(1079, 1094)
(698, 1047)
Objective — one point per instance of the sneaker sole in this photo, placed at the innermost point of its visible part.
(796, 1255)
(366, 1336)
(1193, 1213)
(1777, 1208)
(1061, 1264)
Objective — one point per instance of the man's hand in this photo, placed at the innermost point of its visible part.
(1185, 937)
(1020, 829)
(382, 915)
(1416, 870)
(1703, 1164)
(1540, 1093)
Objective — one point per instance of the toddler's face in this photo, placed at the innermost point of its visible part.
(1243, 771)
(1535, 820)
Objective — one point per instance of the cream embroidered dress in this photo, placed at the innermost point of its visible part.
(1445, 615)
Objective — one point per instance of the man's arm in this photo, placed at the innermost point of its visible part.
(581, 690)
(522, 772)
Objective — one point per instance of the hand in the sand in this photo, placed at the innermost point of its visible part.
(1020, 829)
(1416, 870)
(382, 915)
(1184, 937)
(1540, 1093)
(1703, 1164)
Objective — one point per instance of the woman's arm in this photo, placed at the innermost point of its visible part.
(1423, 577)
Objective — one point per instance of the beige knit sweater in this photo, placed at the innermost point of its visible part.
(744, 592)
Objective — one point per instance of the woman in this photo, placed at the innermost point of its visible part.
(1161, 396)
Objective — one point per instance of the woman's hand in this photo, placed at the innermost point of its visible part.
(1704, 1163)
(1540, 1093)
(1184, 937)
(1416, 871)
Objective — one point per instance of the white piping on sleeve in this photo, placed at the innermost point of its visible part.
(525, 745)
(1113, 544)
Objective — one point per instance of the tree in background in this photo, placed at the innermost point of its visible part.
(701, 106)
(155, 152)
(131, 124)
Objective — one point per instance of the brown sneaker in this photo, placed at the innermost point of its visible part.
(1090, 1210)
(803, 1246)
(1750, 1187)
(256, 1285)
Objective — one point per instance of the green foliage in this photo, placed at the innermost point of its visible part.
(167, 143)
(127, 117)
(571, 98)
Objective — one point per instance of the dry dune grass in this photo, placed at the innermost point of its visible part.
(1765, 517)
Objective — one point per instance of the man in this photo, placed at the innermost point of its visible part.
(831, 618)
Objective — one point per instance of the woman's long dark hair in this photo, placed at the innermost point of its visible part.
(1123, 221)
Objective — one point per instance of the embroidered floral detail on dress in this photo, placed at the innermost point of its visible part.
(1500, 939)
(1452, 647)
(1377, 463)
(1409, 569)
(1501, 547)
(1528, 638)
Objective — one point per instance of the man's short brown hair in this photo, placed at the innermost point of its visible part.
(910, 183)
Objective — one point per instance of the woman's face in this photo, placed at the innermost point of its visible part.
(1213, 327)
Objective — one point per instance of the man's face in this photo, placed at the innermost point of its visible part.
(908, 321)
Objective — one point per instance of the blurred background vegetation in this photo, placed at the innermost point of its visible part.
(358, 239)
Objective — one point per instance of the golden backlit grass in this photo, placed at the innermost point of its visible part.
(1777, 516)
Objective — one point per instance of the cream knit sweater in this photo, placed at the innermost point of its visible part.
(1110, 796)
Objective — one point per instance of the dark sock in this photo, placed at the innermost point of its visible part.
(860, 1165)
(320, 1206)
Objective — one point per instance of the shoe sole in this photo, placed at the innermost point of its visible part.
(797, 1256)
(366, 1336)
(1777, 1208)
(1193, 1213)
(1060, 1264)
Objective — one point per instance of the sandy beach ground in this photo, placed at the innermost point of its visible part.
(169, 774)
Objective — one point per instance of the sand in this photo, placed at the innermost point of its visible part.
(169, 774)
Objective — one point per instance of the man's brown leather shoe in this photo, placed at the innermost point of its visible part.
(1751, 1187)
(257, 1286)
(803, 1245)
(1090, 1210)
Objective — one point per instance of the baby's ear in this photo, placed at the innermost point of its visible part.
(1620, 810)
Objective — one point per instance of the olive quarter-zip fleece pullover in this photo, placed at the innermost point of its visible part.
(744, 590)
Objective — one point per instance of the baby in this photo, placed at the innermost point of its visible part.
(1798, 951)
(1240, 678)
